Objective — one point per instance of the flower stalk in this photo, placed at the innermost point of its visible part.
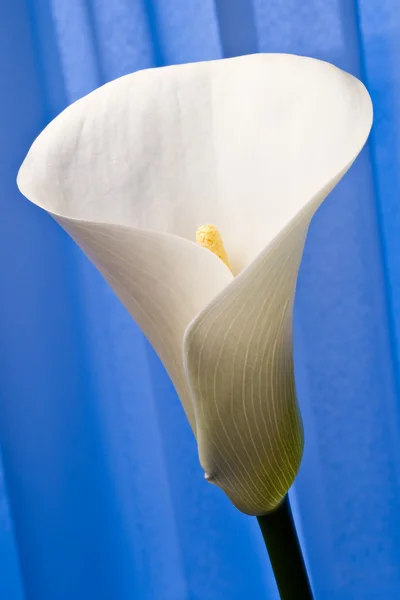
(283, 546)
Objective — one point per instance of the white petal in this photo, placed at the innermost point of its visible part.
(239, 365)
(163, 281)
(240, 143)
(238, 350)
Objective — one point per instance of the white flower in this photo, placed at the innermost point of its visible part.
(252, 145)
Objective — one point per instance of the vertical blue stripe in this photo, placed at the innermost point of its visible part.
(11, 582)
(186, 31)
(77, 47)
(124, 37)
(237, 27)
(379, 33)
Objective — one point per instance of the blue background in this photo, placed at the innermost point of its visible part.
(101, 495)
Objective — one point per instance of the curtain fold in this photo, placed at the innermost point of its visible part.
(103, 496)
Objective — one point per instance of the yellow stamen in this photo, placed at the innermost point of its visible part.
(209, 237)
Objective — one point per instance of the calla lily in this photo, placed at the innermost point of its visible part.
(252, 145)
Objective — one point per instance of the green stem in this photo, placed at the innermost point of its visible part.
(284, 551)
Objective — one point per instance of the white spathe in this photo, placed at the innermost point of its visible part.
(252, 145)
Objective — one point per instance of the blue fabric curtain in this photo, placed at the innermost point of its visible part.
(102, 496)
